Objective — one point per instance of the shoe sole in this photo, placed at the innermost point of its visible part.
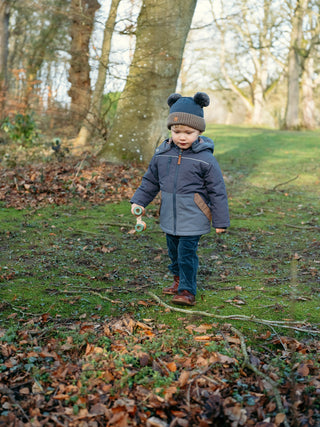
(178, 302)
(170, 293)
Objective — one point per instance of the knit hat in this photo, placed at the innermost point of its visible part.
(187, 111)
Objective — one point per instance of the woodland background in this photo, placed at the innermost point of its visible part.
(84, 339)
(88, 75)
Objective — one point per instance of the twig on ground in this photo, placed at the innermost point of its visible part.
(117, 224)
(161, 362)
(279, 338)
(8, 392)
(111, 224)
(79, 169)
(300, 227)
(273, 384)
(276, 323)
(286, 182)
(199, 375)
(104, 298)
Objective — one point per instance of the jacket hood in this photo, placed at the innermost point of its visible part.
(201, 144)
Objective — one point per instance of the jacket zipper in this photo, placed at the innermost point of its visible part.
(179, 158)
(174, 194)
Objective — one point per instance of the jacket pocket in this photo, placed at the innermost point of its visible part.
(202, 206)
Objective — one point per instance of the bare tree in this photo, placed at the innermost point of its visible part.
(37, 35)
(310, 75)
(4, 41)
(139, 125)
(248, 32)
(307, 101)
(295, 59)
(93, 113)
(82, 15)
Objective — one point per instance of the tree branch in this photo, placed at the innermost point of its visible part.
(285, 182)
(275, 323)
(273, 384)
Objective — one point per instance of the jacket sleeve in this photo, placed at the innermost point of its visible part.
(149, 187)
(217, 195)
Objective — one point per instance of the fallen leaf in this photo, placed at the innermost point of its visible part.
(172, 366)
(183, 379)
(202, 338)
(303, 370)
(279, 419)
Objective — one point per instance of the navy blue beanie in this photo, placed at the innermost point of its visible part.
(188, 111)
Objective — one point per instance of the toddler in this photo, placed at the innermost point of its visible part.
(193, 193)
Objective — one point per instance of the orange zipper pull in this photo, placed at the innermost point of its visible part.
(179, 158)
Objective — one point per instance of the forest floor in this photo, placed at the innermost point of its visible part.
(86, 337)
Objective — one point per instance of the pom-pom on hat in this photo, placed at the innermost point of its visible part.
(188, 111)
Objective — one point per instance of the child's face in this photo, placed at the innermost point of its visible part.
(184, 136)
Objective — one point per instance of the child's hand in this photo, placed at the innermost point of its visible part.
(134, 206)
(220, 230)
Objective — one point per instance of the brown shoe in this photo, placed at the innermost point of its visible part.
(184, 298)
(173, 289)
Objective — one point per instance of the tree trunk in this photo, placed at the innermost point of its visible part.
(257, 105)
(295, 59)
(308, 104)
(4, 41)
(140, 122)
(292, 110)
(259, 92)
(232, 86)
(95, 105)
(82, 13)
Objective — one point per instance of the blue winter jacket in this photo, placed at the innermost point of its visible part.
(193, 192)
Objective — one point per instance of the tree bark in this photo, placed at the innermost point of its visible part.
(295, 62)
(140, 122)
(4, 41)
(95, 105)
(308, 104)
(82, 12)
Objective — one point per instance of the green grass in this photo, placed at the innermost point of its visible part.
(265, 158)
(55, 259)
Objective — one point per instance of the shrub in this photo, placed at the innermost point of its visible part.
(22, 129)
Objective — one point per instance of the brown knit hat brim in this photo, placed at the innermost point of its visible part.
(191, 120)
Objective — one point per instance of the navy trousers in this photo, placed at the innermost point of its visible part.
(182, 251)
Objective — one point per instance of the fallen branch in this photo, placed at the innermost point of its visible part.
(199, 375)
(275, 323)
(299, 227)
(111, 224)
(286, 182)
(5, 391)
(79, 169)
(117, 224)
(273, 384)
(104, 298)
